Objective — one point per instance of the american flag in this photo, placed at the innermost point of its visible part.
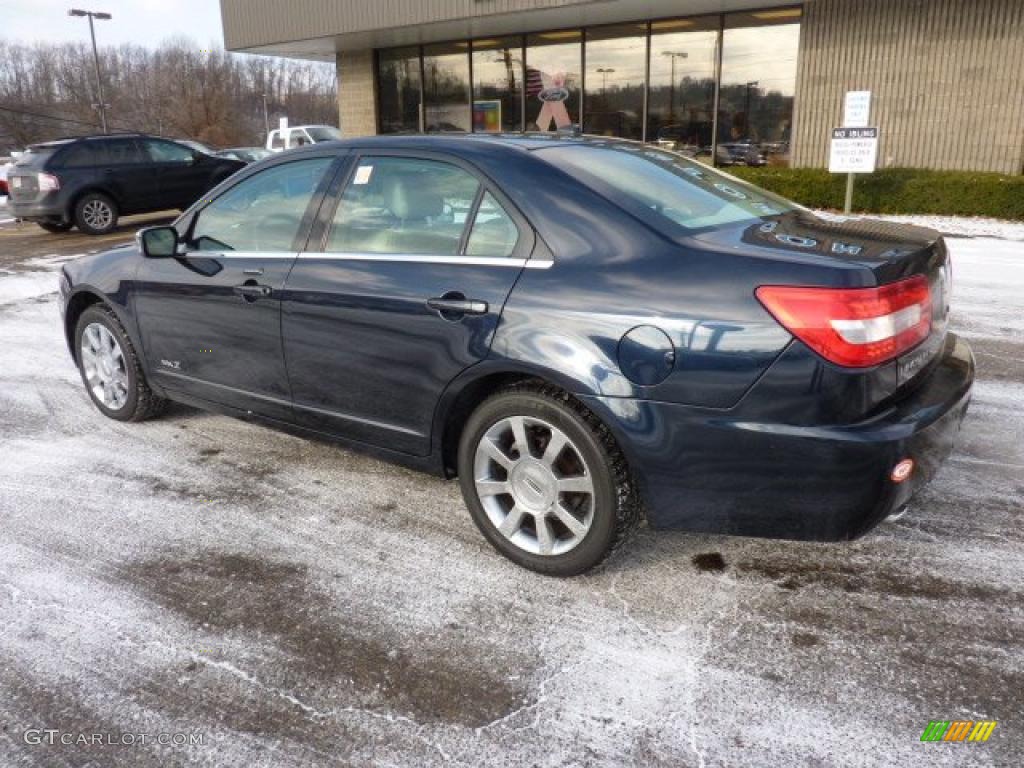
(534, 81)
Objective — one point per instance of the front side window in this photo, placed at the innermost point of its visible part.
(664, 188)
(404, 205)
(167, 151)
(262, 213)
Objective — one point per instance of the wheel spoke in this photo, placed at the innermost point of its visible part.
(579, 484)
(569, 520)
(545, 536)
(494, 452)
(522, 443)
(512, 522)
(554, 448)
(492, 487)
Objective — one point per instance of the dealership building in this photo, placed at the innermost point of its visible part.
(710, 76)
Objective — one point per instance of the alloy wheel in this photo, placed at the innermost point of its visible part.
(104, 366)
(97, 214)
(534, 485)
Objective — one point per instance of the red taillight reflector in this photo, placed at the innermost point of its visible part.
(902, 471)
(854, 327)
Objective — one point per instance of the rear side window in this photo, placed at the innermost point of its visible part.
(82, 155)
(167, 151)
(663, 188)
(404, 205)
(276, 140)
(493, 233)
(262, 213)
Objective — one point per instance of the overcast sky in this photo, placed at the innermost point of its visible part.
(145, 22)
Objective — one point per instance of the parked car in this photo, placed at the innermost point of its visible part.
(742, 153)
(584, 331)
(279, 140)
(3, 178)
(90, 181)
(245, 154)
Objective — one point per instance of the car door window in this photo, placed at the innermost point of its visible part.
(83, 155)
(122, 152)
(493, 233)
(167, 152)
(404, 205)
(262, 213)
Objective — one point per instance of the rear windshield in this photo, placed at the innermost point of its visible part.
(671, 192)
(35, 157)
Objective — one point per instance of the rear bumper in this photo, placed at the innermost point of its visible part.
(48, 209)
(704, 471)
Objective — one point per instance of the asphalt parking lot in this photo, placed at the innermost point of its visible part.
(294, 603)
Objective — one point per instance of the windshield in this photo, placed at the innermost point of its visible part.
(323, 132)
(666, 189)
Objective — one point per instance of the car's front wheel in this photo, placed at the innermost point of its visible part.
(110, 369)
(545, 481)
(95, 214)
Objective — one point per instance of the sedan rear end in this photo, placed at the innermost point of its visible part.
(834, 389)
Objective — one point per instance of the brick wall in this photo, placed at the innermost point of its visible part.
(357, 94)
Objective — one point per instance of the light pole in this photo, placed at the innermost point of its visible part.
(101, 106)
(266, 115)
(672, 88)
(605, 71)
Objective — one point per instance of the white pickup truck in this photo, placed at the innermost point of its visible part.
(281, 139)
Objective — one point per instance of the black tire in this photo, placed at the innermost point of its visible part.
(55, 226)
(95, 214)
(616, 505)
(141, 402)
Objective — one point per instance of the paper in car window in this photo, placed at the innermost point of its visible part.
(363, 173)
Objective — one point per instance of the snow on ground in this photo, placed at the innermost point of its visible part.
(300, 604)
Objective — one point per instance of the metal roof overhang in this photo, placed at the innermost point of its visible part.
(594, 13)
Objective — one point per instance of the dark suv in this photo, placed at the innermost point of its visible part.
(88, 182)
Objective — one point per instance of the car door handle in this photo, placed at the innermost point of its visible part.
(457, 306)
(253, 291)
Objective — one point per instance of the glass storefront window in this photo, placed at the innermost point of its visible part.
(615, 77)
(398, 90)
(681, 102)
(759, 65)
(446, 87)
(498, 84)
(535, 82)
(553, 74)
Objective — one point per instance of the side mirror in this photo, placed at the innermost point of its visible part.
(158, 242)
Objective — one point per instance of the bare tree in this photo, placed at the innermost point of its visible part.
(178, 89)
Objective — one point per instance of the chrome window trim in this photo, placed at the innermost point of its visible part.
(411, 258)
(477, 261)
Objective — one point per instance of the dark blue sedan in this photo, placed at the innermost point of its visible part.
(589, 333)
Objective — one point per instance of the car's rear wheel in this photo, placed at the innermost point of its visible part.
(95, 214)
(545, 481)
(55, 226)
(110, 369)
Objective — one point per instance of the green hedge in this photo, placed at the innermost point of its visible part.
(898, 190)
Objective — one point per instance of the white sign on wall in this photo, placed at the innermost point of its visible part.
(857, 109)
(854, 150)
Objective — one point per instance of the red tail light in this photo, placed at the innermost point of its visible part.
(854, 327)
(48, 182)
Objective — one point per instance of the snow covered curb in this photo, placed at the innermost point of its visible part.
(956, 226)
